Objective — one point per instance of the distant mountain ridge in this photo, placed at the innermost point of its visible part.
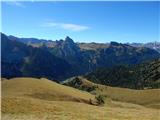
(153, 45)
(65, 58)
(50, 43)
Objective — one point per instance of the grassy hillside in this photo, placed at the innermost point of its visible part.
(42, 89)
(41, 99)
(148, 97)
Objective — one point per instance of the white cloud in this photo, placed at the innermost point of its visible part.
(67, 26)
(74, 27)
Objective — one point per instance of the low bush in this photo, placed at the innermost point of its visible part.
(100, 99)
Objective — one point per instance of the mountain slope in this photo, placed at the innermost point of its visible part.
(141, 76)
(18, 59)
(65, 58)
(88, 57)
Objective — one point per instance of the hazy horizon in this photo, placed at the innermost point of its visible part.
(82, 41)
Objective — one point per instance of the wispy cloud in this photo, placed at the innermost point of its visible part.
(66, 26)
(15, 3)
(75, 27)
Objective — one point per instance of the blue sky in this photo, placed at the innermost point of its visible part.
(83, 21)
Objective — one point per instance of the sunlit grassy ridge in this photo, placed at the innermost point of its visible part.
(150, 97)
(41, 99)
(42, 89)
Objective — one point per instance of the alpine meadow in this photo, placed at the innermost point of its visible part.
(80, 60)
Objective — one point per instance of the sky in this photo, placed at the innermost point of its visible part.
(83, 21)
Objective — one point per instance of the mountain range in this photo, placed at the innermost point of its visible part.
(153, 45)
(49, 43)
(62, 59)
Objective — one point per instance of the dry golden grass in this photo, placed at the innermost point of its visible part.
(148, 97)
(62, 110)
(42, 89)
(142, 97)
(41, 99)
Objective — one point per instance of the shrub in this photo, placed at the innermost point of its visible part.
(100, 99)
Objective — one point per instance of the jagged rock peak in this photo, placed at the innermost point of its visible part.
(68, 39)
(114, 43)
